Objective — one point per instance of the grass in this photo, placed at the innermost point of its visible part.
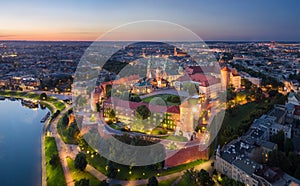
(59, 105)
(175, 138)
(55, 174)
(48, 106)
(159, 131)
(232, 123)
(181, 167)
(167, 182)
(237, 123)
(78, 175)
(164, 97)
(114, 126)
(183, 182)
(63, 132)
(9, 93)
(137, 172)
(243, 113)
(98, 162)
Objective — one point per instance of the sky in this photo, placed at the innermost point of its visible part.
(89, 19)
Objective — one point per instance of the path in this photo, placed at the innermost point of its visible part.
(66, 150)
(62, 148)
(206, 166)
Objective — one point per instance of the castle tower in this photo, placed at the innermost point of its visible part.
(164, 76)
(175, 51)
(143, 54)
(149, 68)
(225, 73)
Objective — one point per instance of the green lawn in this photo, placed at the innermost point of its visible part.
(55, 174)
(78, 175)
(9, 93)
(175, 138)
(164, 97)
(243, 113)
(63, 133)
(167, 182)
(48, 106)
(181, 167)
(183, 182)
(57, 103)
(159, 131)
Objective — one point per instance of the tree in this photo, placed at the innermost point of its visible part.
(204, 179)
(54, 161)
(230, 93)
(98, 107)
(293, 158)
(259, 95)
(278, 159)
(191, 88)
(288, 146)
(142, 112)
(297, 172)
(73, 130)
(246, 83)
(173, 99)
(278, 139)
(230, 182)
(135, 98)
(190, 177)
(43, 96)
(152, 181)
(82, 182)
(80, 161)
(65, 120)
(273, 93)
(111, 170)
(103, 183)
(112, 114)
(157, 101)
(194, 177)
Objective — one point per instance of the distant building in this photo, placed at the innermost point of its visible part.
(243, 159)
(294, 98)
(254, 80)
(269, 124)
(233, 163)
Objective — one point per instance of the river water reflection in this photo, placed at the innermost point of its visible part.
(20, 144)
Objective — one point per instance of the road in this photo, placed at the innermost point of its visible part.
(206, 166)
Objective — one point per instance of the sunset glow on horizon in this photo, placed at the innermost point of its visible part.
(88, 20)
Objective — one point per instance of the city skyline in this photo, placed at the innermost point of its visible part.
(86, 21)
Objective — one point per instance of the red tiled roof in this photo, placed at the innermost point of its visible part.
(122, 80)
(204, 80)
(297, 110)
(174, 109)
(202, 69)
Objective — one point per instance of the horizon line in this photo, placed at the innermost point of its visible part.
(210, 40)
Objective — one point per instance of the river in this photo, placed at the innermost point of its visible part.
(20, 144)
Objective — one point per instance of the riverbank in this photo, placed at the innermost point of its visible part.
(53, 105)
